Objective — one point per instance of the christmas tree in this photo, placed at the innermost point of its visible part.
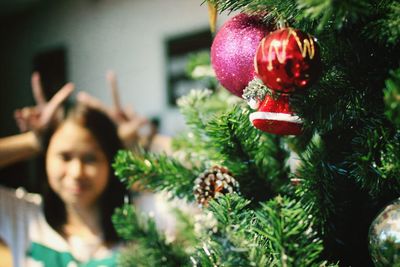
(301, 182)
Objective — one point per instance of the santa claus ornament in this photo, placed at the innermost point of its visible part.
(233, 51)
(287, 59)
(275, 115)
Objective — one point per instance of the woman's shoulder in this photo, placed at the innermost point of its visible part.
(19, 195)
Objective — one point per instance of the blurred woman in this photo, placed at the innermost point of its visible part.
(71, 224)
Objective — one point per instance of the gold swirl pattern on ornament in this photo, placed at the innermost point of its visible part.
(307, 46)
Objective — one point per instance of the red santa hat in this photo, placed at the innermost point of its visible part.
(274, 115)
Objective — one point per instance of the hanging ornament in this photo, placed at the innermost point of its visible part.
(233, 50)
(213, 183)
(275, 115)
(384, 236)
(288, 59)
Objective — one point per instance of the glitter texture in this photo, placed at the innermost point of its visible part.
(233, 51)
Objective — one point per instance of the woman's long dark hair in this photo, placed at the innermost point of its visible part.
(105, 133)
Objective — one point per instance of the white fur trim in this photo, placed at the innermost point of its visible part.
(254, 104)
(275, 117)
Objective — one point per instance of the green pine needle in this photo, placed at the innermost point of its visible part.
(392, 97)
(199, 66)
(289, 229)
(336, 13)
(373, 163)
(156, 172)
(385, 27)
(147, 246)
(317, 183)
(256, 159)
(234, 244)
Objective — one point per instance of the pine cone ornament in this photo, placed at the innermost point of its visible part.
(213, 183)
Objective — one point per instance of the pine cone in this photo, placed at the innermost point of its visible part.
(213, 183)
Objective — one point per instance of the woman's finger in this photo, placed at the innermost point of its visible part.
(130, 112)
(37, 89)
(55, 102)
(93, 102)
(25, 116)
(21, 123)
(112, 81)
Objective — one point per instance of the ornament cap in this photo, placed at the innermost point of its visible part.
(282, 24)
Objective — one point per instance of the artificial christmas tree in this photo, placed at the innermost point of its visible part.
(316, 210)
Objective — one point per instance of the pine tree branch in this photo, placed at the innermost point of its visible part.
(149, 246)
(190, 107)
(330, 104)
(392, 97)
(199, 66)
(373, 161)
(198, 108)
(335, 13)
(272, 11)
(234, 243)
(385, 25)
(289, 228)
(317, 183)
(156, 172)
(255, 158)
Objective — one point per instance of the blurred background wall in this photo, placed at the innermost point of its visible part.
(93, 36)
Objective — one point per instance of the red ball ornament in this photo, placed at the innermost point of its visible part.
(274, 115)
(233, 51)
(288, 59)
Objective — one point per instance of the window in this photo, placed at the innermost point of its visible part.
(179, 49)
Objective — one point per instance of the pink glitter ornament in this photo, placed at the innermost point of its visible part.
(233, 51)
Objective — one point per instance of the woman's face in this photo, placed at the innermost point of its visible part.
(76, 166)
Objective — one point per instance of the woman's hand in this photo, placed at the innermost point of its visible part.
(39, 117)
(128, 122)
(32, 121)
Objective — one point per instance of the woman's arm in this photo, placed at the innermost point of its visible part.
(32, 121)
(18, 147)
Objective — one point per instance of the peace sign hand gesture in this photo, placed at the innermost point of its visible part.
(38, 118)
(128, 122)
